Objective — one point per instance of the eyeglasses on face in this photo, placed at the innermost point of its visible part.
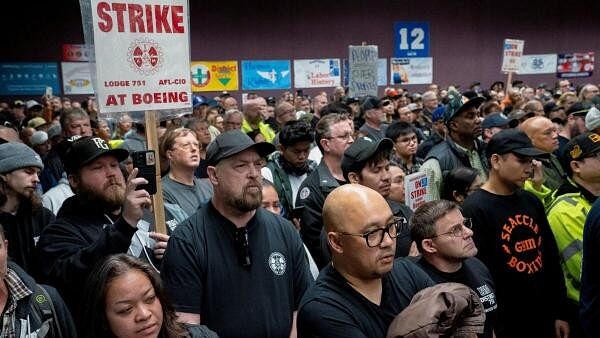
(375, 237)
(345, 137)
(457, 230)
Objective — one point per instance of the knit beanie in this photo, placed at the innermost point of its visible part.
(592, 119)
(15, 156)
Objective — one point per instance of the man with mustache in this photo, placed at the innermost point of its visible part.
(99, 220)
(515, 242)
(363, 288)
(234, 266)
(21, 210)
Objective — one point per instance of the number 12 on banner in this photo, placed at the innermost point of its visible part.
(411, 39)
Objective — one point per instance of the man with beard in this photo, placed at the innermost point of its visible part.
(99, 220)
(233, 266)
(288, 167)
(363, 288)
(21, 210)
(461, 148)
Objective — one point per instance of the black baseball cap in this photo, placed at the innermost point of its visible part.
(84, 150)
(513, 141)
(370, 102)
(579, 109)
(497, 120)
(360, 151)
(581, 146)
(233, 142)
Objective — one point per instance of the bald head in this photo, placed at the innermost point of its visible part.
(542, 132)
(351, 205)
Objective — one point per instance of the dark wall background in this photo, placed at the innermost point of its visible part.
(466, 36)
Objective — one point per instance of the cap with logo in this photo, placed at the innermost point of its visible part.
(233, 142)
(359, 152)
(458, 103)
(580, 147)
(513, 141)
(84, 150)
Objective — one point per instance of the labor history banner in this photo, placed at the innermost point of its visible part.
(538, 64)
(76, 78)
(141, 54)
(266, 74)
(512, 52)
(416, 186)
(317, 73)
(362, 68)
(411, 70)
(214, 76)
(32, 78)
(575, 65)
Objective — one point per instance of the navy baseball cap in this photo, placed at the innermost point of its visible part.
(497, 120)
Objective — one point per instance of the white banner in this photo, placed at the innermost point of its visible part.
(317, 73)
(362, 67)
(538, 64)
(382, 72)
(512, 52)
(142, 55)
(416, 187)
(411, 70)
(76, 78)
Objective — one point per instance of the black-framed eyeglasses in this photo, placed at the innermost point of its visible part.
(242, 247)
(375, 237)
(458, 230)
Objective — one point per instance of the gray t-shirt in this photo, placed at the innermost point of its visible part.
(187, 197)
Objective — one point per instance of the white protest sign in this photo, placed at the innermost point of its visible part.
(538, 64)
(411, 70)
(362, 65)
(76, 78)
(415, 189)
(142, 55)
(512, 52)
(317, 73)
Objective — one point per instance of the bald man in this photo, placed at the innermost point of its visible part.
(363, 288)
(544, 136)
(253, 111)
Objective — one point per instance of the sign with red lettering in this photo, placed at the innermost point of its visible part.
(415, 189)
(142, 55)
(513, 50)
(75, 53)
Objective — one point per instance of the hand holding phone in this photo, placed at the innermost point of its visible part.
(145, 161)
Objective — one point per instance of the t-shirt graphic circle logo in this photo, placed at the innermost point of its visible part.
(277, 263)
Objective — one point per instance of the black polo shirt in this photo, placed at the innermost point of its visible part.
(332, 308)
(203, 273)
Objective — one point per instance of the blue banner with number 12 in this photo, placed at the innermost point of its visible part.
(411, 39)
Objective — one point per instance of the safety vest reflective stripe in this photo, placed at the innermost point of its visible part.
(571, 250)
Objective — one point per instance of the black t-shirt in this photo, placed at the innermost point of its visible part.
(516, 243)
(203, 273)
(475, 275)
(332, 308)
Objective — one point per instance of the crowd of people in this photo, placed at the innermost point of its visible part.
(287, 216)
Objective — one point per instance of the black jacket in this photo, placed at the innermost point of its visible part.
(450, 156)
(80, 237)
(22, 232)
(60, 320)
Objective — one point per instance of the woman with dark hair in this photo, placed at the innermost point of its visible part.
(125, 298)
(460, 183)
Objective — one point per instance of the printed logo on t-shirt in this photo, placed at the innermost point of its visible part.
(522, 244)
(277, 263)
(304, 193)
(487, 297)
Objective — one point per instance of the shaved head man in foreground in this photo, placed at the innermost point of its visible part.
(360, 292)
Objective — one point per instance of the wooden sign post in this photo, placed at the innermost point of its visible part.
(158, 204)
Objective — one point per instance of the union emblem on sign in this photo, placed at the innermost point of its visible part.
(145, 56)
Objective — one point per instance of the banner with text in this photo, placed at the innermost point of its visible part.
(411, 70)
(362, 68)
(538, 64)
(142, 55)
(28, 78)
(266, 74)
(317, 73)
(415, 189)
(214, 76)
(575, 65)
(512, 52)
(75, 53)
(76, 78)
(382, 72)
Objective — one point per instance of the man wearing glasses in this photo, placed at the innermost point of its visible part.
(515, 242)
(360, 292)
(233, 266)
(445, 240)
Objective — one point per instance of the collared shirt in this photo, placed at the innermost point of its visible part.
(17, 290)
(416, 165)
